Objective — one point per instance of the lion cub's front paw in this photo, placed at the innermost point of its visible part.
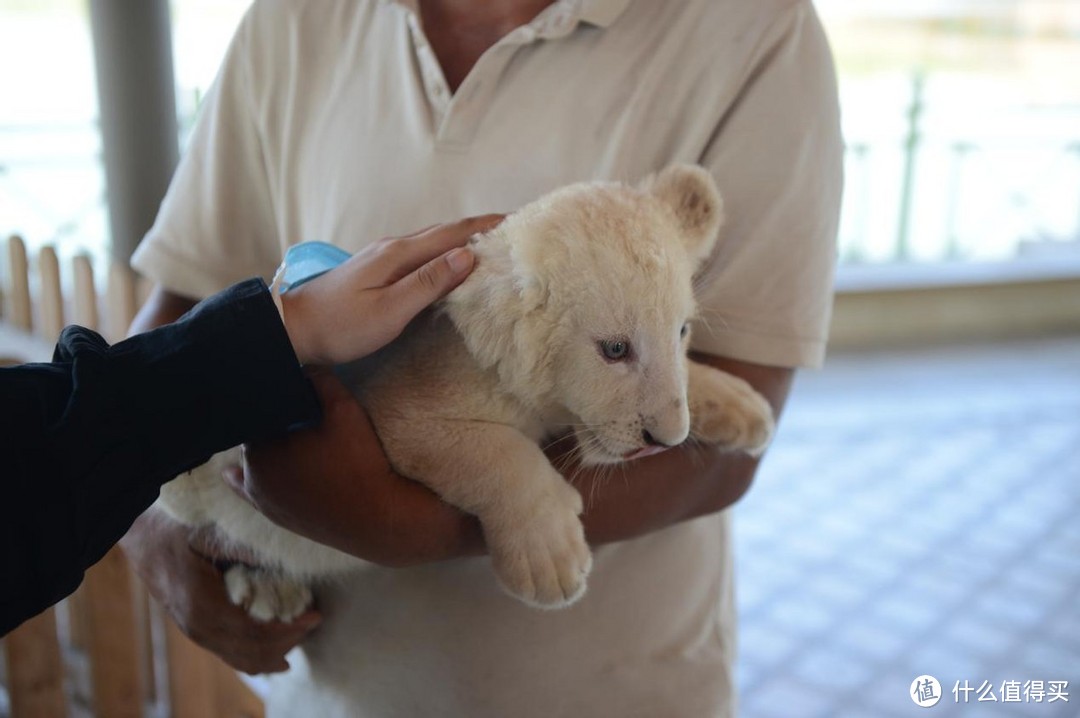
(266, 596)
(727, 411)
(538, 549)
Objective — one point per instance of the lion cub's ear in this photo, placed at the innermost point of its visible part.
(691, 193)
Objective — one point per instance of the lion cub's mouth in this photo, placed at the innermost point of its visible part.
(646, 451)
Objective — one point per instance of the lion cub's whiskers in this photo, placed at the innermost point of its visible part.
(696, 456)
(708, 316)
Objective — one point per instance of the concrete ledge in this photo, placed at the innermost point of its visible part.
(955, 304)
(883, 277)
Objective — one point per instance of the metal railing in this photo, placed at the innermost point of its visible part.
(928, 195)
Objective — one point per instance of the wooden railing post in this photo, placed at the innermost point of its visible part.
(50, 299)
(85, 307)
(201, 684)
(114, 642)
(18, 310)
(35, 671)
(121, 299)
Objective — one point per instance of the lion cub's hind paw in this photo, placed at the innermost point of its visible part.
(266, 596)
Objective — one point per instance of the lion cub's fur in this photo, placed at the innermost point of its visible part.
(517, 353)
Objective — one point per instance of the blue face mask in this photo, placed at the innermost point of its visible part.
(307, 260)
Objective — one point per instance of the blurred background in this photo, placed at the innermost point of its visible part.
(918, 513)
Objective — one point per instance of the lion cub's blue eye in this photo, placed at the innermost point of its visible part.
(684, 331)
(614, 349)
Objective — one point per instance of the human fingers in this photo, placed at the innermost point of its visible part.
(398, 257)
(227, 630)
(414, 292)
(216, 623)
(422, 230)
(192, 590)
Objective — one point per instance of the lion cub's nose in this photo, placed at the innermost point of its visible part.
(651, 440)
(666, 428)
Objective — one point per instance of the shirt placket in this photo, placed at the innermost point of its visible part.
(431, 75)
(457, 116)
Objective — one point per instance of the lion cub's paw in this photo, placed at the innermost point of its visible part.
(266, 596)
(538, 549)
(727, 411)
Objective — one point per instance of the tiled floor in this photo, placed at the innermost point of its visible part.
(919, 513)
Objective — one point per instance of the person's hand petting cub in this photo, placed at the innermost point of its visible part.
(365, 303)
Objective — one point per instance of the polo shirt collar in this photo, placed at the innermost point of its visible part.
(561, 18)
(601, 13)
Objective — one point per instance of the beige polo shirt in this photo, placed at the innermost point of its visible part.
(331, 120)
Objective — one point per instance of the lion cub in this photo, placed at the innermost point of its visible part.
(575, 318)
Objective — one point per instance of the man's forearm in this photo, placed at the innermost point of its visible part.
(162, 307)
(333, 484)
(650, 494)
(377, 515)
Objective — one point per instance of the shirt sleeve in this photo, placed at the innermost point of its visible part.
(216, 224)
(766, 294)
(92, 436)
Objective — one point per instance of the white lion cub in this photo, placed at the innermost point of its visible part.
(575, 318)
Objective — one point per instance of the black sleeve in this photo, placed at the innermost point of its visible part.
(88, 440)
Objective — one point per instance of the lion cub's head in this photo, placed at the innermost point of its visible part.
(582, 302)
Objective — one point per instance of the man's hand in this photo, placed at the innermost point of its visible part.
(334, 484)
(178, 567)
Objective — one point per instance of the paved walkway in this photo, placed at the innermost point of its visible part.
(918, 514)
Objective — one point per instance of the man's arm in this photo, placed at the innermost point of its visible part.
(333, 484)
(161, 307)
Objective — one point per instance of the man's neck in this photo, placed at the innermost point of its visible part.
(460, 31)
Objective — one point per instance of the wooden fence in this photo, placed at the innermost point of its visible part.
(108, 650)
